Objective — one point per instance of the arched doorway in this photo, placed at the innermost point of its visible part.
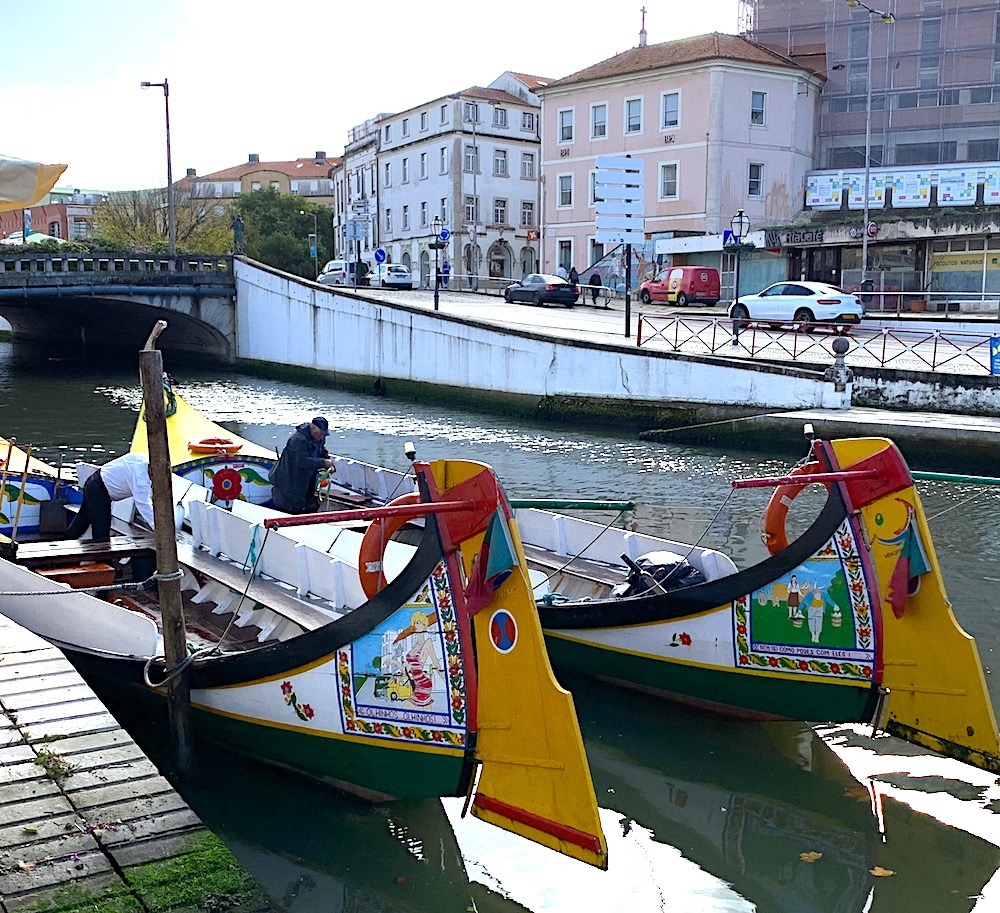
(426, 279)
(527, 261)
(500, 260)
(406, 259)
(467, 257)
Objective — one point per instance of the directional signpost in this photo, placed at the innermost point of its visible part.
(619, 190)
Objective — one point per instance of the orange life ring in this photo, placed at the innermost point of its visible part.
(373, 545)
(214, 445)
(774, 535)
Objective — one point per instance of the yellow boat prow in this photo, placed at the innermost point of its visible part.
(186, 426)
(13, 459)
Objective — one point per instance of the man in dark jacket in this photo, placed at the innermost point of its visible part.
(293, 479)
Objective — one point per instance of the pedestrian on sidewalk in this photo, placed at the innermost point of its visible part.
(595, 285)
(574, 276)
(561, 272)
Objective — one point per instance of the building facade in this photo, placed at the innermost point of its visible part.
(64, 213)
(720, 124)
(311, 178)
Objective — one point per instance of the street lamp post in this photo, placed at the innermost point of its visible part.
(436, 244)
(740, 225)
(888, 19)
(314, 246)
(171, 224)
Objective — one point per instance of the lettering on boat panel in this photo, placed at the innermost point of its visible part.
(816, 620)
(404, 679)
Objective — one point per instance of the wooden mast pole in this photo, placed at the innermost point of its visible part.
(168, 575)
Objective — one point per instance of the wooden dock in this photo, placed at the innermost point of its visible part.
(86, 820)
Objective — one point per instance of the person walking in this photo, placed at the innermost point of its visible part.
(124, 477)
(561, 272)
(574, 276)
(595, 285)
(293, 479)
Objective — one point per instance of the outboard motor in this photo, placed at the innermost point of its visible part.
(658, 572)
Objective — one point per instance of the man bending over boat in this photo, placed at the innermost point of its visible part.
(124, 477)
(293, 479)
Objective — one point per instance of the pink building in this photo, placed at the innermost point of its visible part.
(721, 124)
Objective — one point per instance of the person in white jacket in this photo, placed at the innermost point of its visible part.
(124, 477)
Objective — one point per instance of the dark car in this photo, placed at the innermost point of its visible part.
(539, 288)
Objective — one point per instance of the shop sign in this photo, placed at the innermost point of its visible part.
(793, 237)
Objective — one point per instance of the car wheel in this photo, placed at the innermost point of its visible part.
(507, 297)
(644, 296)
(682, 300)
(569, 304)
(740, 312)
(536, 299)
(804, 315)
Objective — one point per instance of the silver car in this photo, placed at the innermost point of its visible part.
(390, 275)
(799, 302)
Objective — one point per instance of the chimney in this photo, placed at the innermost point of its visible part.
(254, 158)
(320, 157)
(192, 172)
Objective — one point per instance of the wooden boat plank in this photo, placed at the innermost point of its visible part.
(269, 594)
(581, 566)
(51, 552)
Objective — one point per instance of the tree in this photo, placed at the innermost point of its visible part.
(278, 228)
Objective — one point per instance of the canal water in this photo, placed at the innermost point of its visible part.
(700, 815)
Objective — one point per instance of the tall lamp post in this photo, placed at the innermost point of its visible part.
(437, 244)
(314, 245)
(888, 19)
(171, 224)
(473, 234)
(741, 228)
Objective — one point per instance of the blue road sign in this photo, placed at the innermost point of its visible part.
(995, 355)
(728, 238)
(445, 234)
(445, 273)
(380, 255)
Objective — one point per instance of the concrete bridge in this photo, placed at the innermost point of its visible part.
(82, 303)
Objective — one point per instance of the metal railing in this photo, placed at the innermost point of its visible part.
(16, 267)
(910, 348)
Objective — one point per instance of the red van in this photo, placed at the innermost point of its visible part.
(682, 285)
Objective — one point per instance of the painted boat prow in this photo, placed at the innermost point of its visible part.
(937, 695)
(535, 779)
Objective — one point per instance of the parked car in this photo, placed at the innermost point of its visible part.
(799, 302)
(341, 272)
(681, 285)
(541, 288)
(390, 275)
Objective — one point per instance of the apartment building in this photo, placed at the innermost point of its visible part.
(306, 177)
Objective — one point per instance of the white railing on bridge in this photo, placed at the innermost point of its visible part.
(15, 266)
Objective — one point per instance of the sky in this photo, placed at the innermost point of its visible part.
(279, 79)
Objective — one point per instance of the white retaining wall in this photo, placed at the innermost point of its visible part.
(284, 321)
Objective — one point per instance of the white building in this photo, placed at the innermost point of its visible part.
(470, 159)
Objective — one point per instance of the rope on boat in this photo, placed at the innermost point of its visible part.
(602, 531)
(148, 584)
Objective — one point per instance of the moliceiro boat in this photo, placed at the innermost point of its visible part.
(439, 685)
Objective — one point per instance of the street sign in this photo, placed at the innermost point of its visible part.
(872, 229)
(728, 238)
(532, 234)
(360, 206)
(624, 223)
(380, 255)
(444, 234)
(619, 163)
(619, 236)
(619, 207)
(355, 229)
(618, 191)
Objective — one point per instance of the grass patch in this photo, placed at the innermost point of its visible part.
(56, 767)
(75, 898)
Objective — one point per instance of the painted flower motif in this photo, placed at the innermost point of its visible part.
(866, 671)
(835, 668)
(741, 629)
(744, 659)
(772, 661)
(308, 711)
(456, 702)
(437, 736)
(407, 732)
(286, 688)
(227, 485)
(351, 725)
(686, 640)
(803, 665)
(378, 728)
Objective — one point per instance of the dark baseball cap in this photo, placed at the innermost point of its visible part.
(320, 422)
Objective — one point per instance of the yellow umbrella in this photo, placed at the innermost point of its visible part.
(25, 183)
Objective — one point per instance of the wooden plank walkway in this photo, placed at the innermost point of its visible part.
(83, 813)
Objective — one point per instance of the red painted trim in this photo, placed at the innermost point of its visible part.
(545, 825)
(822, 477)
(372, 513)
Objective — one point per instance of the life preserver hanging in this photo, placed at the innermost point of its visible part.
(372, 551)
(776, 512)
(214, 445)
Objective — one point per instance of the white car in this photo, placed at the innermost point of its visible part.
(390, 275)
(798, 302)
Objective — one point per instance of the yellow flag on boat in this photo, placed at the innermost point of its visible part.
(25, 183)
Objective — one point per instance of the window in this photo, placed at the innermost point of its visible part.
(374, 176)
(254, 185)
(444, 209)
(388, 219)
(755, 183)
(499, 117)
(633, 115)
(500, 162)
(472, 112)
(406, 170)
(423, 215)
(596, 251)
(406, 218)
(387, 178)
(565, 119)
(472, 158)
(444, 114)
(594, 198)
(671, 110)
(757, 103)
(406, 126)
(423, 164)
(527, 214)
(565, 256)
(388, 132)
(930, 71)
(499, 212)
(565, 193)
(54, 230)
(668, 181)
(443, 160)
(598, 121)
(275, 185)
(423, 120)
(471, 209)
(528, 165)
(930, 34)
(527, 120)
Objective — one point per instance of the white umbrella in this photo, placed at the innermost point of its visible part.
(25, 183)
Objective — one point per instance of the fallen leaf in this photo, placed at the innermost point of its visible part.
(810, 857)
(879, 872)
